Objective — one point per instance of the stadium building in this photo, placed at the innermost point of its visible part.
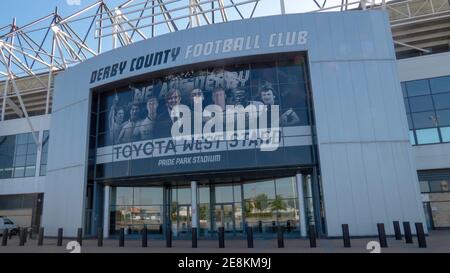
(173, 116)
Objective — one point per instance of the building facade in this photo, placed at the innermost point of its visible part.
(340, 155)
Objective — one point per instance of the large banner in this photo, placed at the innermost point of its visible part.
(140, 125)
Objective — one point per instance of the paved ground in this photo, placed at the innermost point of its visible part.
(437, 241)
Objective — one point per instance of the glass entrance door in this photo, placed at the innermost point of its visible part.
(224, 215)
(181, 220)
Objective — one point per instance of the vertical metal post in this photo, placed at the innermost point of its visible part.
(122, 237)
(301, 204)
(312, 237)
(194, 210)
(41, 236)
(407, 230)
(194, 237)
(106, 203)
(60, 237)
(346, 236)
(398, 233)
(221, 237)
(80, 236)
(382, 235)
(249, 237)
(280, 237)
(169, 237)
(22, 236)
(144, 237)
(420, 235)
(100, 237)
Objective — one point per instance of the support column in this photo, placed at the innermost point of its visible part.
(194, 211)
(301, 205)
(107, 195)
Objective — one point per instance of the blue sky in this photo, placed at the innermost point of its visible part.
(26, 10)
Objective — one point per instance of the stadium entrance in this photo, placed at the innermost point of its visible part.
(232, 203)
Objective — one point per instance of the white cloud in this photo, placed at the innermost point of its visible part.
(73, 2)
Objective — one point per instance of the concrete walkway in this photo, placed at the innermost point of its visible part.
(437, 241)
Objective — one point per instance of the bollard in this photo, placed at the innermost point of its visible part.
(122, 237)
(25, 234)
(312, 236)
(144, 238)
(100, 237)
(5, 237)
(194, 237)
(80, 236)
(22, 237)
(60, 237)
(382, 235)
(41, 236)
(420, 235)
(280, 237)
(169, 237)
(249, 237)
(346, 236)
(398, 233)
(408, 235)
(221, 237)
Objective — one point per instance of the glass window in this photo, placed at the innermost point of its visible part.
(442, 101)
(30, 171)
(412, 139)
(424, 186)
(439, 186)
(410, 124)
(123, 196)
(237, 193)
(424, 120)
(252, 190)
(445, 134)
(407, 105)
(421, 103)
(441, 84)
(291, 97)
(427, 136)
(444, 117)
(261, 72)
(286, 187)
(31, 149)
(21, 149)
(416, 88)
(405, 94)
(203, 195)
(43, 170)
(31, 160)
(22, 139)
(224, 194)
(19, 172)
(20, 160)
(184, 195)
(291, 70)
(148, 196)
(44, 153)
